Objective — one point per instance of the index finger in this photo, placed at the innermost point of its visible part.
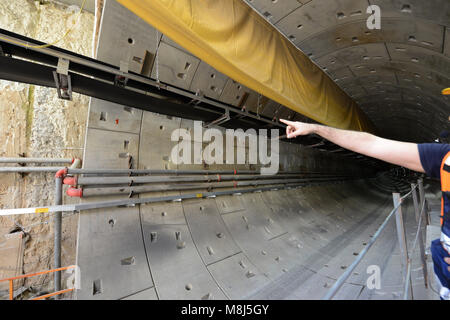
(289, 123)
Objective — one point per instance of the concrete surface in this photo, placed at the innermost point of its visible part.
(285, 244)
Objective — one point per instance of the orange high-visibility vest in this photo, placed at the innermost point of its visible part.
(445, 186)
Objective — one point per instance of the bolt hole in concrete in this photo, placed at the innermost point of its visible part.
(97, 287)
(267, 15)
(161, 127)
(102, 116)
(128, 261)
(299, 26)
(213, 75)
(130, 40)
(137, 59)
(406, 8)
(188, 287)
(112, 222)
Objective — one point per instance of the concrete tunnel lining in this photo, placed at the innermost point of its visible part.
(317, 243)
(286, 243)
(291, 244)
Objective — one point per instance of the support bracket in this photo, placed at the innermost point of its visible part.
(63, 80)
(222, 119)
(22, 174)
(194, 101)
(120, 80)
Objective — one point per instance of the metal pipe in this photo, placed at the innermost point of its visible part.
(186, 172)
(339, 282)
(89, 192)
(153, 171)
(168, 179)
(71, 171)
(36, 160)
(76, 163)
(422, 200)
(29, 169)
(419, 214)
(401, 236)
(408, 271)
(134, 201)
(57, 221)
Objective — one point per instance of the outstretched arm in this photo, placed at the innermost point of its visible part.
(404, 154)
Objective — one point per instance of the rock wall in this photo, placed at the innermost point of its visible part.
(35, 122)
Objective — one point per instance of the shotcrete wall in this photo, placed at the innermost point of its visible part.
(34, 122)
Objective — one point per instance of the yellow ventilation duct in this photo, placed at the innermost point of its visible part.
(237, 41)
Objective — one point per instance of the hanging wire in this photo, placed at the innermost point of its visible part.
(156, 57)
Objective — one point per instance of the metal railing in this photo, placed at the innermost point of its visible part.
(11, 283)
(406, 260)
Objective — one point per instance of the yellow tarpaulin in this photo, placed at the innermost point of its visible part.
(237, 41)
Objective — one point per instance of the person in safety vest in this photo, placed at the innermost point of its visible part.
(430, 158)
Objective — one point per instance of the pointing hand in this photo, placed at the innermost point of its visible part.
(296, 128)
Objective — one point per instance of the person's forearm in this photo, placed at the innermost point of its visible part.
(352, 140)
(404, 154)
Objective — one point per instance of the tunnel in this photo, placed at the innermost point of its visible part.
(288, 236)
